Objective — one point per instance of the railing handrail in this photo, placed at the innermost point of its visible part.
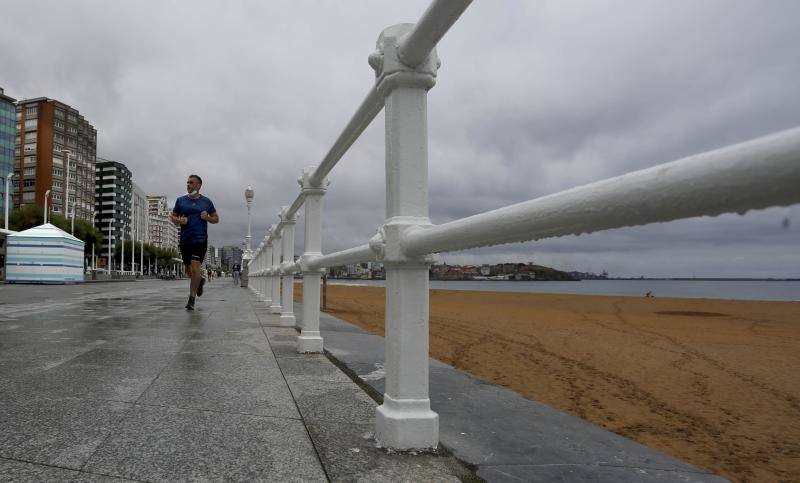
(751, 175)
(429, 30)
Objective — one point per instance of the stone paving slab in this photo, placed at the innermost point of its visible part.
(12, 470)
(56, 431)
(168, 444)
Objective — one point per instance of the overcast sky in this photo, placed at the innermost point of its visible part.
(533, 97)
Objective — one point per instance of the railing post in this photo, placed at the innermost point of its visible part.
(405, 419)
(310, 339)
(254, 262)
(275, 308)
(266, 259)
(287, 297)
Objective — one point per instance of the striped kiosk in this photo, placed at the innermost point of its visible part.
(44, 254)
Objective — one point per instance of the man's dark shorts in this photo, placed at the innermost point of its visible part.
(193, 251)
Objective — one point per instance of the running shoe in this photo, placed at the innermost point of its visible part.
(190, 303)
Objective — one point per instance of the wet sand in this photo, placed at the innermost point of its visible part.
(715, 383)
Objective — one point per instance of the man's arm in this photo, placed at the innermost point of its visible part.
(210, 217)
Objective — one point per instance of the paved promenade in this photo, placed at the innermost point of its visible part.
(118, 382)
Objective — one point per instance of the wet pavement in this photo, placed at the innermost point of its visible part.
(118, 382)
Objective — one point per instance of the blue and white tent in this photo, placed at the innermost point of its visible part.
(44, 254)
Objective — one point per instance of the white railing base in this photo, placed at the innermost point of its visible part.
(309, 342)
(286, 320)
(406, 424)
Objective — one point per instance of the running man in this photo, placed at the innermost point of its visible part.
(193, 212)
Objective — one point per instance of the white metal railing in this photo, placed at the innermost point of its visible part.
(756, 174)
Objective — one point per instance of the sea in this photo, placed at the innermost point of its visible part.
(774, 290)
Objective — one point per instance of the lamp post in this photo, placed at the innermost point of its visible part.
(249, 194)
(142, 236)
(46, 196)
(8, 182)
(109, 266)
(122, 249)
(94, 259)
(65, 203)
(133, 238)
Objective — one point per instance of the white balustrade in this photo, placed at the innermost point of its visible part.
(757, 174)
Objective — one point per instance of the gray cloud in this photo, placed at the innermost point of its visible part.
(532, 98)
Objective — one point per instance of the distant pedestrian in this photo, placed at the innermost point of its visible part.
(236, 270)
(193, 212)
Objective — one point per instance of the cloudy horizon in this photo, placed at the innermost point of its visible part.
(532, 98)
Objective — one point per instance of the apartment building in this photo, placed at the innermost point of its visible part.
(8, 134)
(162, 232)
(55, 149)
(114, 197)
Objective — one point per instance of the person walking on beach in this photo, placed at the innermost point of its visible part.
(235, 271)
(193, 212)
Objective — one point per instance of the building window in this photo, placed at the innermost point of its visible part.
(30, 137)
(30, 148)
(59, 114)
(28, 197)
(30, 172)
(28, 183)
(58, 172)
(58, 184)
(31, 111)
(57, 147)
(31, 124)
(30, 160)
(58, 137)
(58, 124)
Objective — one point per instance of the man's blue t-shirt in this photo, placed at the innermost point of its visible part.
(196, 229)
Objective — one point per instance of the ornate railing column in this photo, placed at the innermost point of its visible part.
(287, 295)
(254, 269)
(266, 259)
(405, 419)
(310, 339)
(275, 278)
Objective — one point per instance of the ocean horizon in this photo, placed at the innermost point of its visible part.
(766, 290)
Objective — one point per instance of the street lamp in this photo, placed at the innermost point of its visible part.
(249, 194)
(46, 196)
(8, 181)
(94, 259)
(108, 263)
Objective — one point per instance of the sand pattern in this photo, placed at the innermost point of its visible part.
(713, 382)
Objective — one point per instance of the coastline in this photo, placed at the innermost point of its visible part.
(712, 382)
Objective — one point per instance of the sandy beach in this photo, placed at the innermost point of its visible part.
(715, 383)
